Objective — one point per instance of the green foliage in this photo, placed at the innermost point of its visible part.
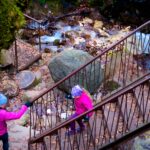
(11, 20)
(42, 2)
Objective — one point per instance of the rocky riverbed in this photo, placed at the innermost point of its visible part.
(83, 33)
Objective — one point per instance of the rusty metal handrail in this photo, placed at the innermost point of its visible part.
(31, 18)
(16, 49)
(39, 28)
(119, 98)
(125, 71)
(77, 70)
(127, 136)
(106, 100)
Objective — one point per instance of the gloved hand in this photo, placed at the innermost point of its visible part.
(68, 96)
(28, 104)
(86, 118)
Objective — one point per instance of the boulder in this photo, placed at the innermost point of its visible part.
(5, 58)
(98, 24)
(31, 94)
(24, 120)
(69, 60)
(26, 79)
(18, 135)
(142, 142)
(38, 75)
(10, 88)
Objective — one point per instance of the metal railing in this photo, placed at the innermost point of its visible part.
(37, 26)
(16, 48)
(115, 63)
(23, 58)
(117, 116)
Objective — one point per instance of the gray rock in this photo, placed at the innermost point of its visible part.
(18, 136)
(28, 95)
(26, 79)
(5, 58)
(68, 61)
(10, 88)
(38, 76)
(141, 144)
(24, 120)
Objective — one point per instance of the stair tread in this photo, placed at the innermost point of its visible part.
(114, 123)
(129, 110)
(143, 99)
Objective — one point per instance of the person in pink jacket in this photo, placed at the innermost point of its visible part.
(6, 115)
(83, 103)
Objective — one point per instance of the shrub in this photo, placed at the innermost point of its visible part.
(11, 20)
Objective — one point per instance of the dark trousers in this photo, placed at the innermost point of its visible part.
(72, 125)
(4, 139)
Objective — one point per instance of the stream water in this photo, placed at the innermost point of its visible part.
(144, 47)
(68, 35)
(78, 35)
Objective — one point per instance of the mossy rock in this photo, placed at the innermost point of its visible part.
(5, 58)
(56, 42)
(111, 86)
(68, 61)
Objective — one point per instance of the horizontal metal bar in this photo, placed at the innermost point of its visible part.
(129, 86)
(127, 136)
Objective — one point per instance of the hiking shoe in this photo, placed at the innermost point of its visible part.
(78, 130)
(71, 132)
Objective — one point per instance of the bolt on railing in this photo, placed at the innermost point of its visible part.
(115, 63)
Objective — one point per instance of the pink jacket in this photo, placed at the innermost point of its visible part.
(83, 103)
(5, 115)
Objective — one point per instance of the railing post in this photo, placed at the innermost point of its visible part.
(29, 148)
(39, 37)
(16, 56)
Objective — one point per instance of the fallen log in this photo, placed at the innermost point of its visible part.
(27, 65)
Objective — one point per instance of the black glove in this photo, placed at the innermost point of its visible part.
(86, 118)
(68, 96)
(28, 104)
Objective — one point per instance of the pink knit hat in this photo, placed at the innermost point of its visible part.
(76, 91)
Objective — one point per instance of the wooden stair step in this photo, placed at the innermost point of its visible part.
(142, 97)
(114, 120)
(130, 111)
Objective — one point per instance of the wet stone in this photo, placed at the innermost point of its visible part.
(67, 61)
(10, 88)
(26, 79)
